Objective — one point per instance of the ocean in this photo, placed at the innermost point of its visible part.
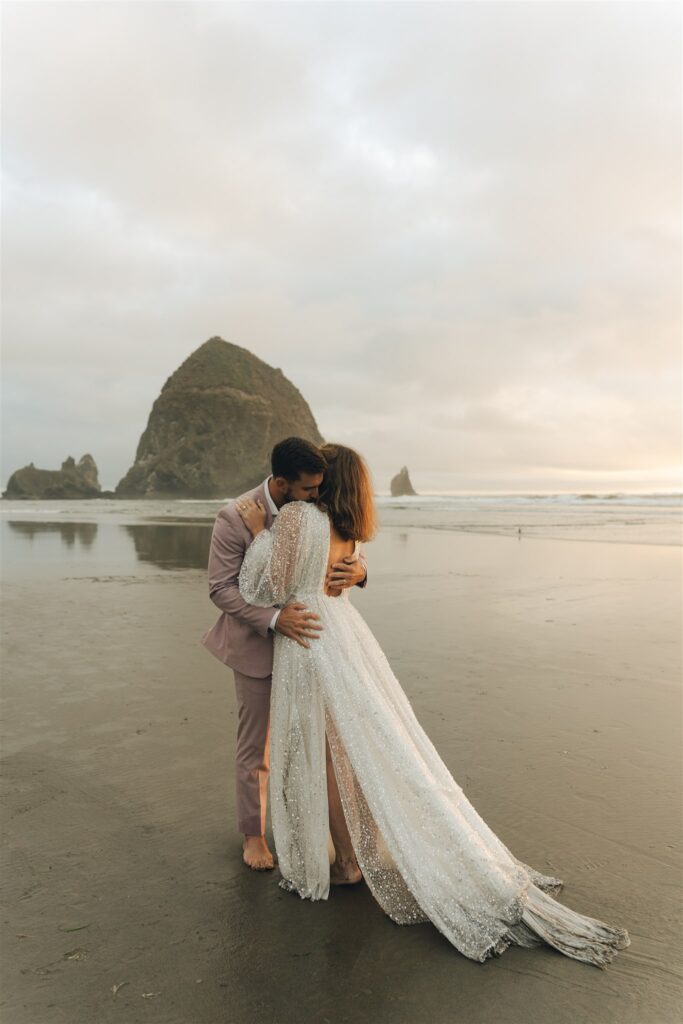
(627, 518)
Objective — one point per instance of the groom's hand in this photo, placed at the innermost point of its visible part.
(296, 622)
(347, 573)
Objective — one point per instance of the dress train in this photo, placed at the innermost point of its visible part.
(425, 852)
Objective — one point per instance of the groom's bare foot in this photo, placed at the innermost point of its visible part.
(345, 872)
(256, 854)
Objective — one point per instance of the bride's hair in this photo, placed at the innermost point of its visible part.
(346, 493)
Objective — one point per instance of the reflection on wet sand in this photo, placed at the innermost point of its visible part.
(175, 545)
(171, 546)
(84, 533)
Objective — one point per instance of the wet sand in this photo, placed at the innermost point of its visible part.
(547, 673)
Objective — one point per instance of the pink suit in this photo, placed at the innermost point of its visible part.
(241, 639)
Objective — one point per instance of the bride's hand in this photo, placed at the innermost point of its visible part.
(253, 514)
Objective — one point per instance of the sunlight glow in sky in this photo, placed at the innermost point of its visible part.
(455, 227)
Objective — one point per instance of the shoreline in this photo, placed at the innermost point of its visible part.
(633, 523)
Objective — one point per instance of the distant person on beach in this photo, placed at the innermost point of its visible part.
(243, 635)
(398, 818)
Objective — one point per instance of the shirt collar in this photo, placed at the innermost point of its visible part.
(271, 504)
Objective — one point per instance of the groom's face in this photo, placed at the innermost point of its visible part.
(305, 488)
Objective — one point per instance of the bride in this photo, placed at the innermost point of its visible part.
(338, 709)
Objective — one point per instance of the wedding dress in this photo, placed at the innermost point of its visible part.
(425, 853)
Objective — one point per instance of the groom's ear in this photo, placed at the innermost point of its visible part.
(281, 485)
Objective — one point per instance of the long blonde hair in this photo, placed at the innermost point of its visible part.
(346, 493)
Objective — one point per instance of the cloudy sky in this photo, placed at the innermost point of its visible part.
(454, 226)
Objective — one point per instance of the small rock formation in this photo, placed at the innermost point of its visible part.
(71, 481)
(211, 430)
(401, 485)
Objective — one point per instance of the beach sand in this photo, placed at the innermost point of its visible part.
(547, 674)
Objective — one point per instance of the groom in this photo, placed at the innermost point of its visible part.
(243, 635)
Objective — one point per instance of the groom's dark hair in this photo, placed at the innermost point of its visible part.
(294, 456)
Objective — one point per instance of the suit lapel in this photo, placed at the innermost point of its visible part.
(264, 502)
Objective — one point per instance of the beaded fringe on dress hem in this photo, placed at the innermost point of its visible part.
(543, 921)
(576, 935)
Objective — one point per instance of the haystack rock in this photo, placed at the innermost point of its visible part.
(73, 480)
(401, 485)
(211, 430)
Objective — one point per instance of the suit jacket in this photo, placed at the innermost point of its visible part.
(241, 637)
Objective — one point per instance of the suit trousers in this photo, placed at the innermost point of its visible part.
(252, 754)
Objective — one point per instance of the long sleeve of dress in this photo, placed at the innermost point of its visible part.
(269, 571)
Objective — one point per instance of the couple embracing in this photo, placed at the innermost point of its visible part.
(335, 739)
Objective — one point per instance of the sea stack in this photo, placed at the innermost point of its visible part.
(212, 428)
(401, 485)
(73, 480)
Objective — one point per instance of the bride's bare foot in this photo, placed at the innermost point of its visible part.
(256, 854)
(345, 872)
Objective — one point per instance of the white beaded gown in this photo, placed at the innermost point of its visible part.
(425, 853)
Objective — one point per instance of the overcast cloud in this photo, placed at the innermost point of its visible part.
(454, 226)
